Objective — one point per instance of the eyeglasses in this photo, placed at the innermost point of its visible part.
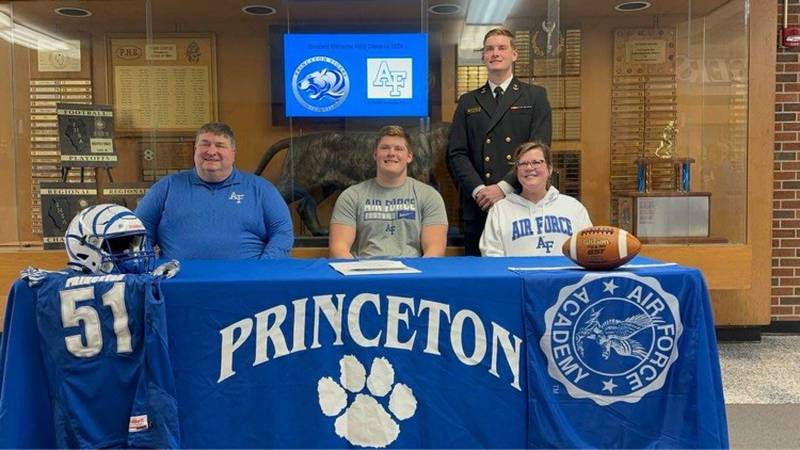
(532, 164)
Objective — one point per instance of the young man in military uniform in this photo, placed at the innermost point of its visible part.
(488, 125)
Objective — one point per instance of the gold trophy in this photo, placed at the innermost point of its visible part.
(664, 150)
(681, 174)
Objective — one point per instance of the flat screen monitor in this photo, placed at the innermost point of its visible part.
(356, 75)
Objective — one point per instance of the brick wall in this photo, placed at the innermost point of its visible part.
(786, 208)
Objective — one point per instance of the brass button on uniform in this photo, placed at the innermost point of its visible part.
(488, 175)
(508, 157)
(488, 140)
(508, 139)
(486, 158)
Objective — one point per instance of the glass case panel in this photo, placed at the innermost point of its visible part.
(649, 107)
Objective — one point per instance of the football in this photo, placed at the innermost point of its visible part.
(601, 247)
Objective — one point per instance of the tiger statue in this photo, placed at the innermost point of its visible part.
(320, 164)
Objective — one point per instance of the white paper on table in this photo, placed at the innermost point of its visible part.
(372, 267)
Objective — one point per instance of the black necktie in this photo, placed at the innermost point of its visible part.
(498, 94)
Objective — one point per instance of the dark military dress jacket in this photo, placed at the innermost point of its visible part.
(484, 136)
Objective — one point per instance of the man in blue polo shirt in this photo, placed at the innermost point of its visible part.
(214, 211)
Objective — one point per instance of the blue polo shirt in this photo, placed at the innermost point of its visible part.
(243, 217)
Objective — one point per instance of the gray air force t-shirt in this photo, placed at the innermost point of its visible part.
(388, 221)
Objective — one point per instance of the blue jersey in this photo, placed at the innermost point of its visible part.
(104, 346)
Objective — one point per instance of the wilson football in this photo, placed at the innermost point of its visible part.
(601, 248)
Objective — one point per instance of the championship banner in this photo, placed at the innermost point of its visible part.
(60, 202)
(86, 135)
(620, 359)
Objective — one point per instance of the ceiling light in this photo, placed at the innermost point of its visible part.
(445, 9)
(488, 12)
(73, 12)
(470, 44)
(632, 6)
(17, 34)
(259, 10)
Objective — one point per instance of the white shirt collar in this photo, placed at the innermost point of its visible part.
(503, 85)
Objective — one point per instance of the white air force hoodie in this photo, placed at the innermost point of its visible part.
(516, 226)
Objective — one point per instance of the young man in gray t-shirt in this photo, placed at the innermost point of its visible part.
(391, 214)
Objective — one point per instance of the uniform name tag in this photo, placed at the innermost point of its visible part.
(521, 107)
(473, 110)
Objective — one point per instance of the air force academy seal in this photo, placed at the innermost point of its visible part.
(612, 337)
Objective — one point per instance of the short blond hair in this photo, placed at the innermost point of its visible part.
(499, 31)
(394, 131)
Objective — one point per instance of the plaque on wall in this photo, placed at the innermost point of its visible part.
(643, 102)
(125, 194)
(572, 125)
(469, 78)
(165, 84)
(65, 56)
(644, 51)
(557, 119)
(59, 203)
(86, 135)
(572, 92)
(64, 59)
(546, 67)
(572, 57)
(45, 95)
(522, 41)
(555, 90)
(162, 157)
(653, 216)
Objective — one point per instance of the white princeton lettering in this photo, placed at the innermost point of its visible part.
(502, 338)
(266, 333)
(354, 315)
(457, 334)
(229, 345)
(434, 310)
(373, 320)
(395, 316)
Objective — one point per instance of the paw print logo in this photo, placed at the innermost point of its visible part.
(365, 421)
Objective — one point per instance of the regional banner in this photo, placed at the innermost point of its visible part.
(619, 359)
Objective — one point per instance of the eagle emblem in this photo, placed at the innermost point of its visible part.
(615, 334)
(610, 337)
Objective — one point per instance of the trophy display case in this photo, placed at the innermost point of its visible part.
(615, 80)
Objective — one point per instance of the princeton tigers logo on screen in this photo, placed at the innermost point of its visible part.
(612, 337)
(320, 84)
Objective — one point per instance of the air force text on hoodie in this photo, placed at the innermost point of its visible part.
(516, 226)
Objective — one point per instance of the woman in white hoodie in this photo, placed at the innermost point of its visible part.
(537, 221)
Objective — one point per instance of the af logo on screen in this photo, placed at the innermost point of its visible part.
(389, 78)
(612, 337)
(320, 84)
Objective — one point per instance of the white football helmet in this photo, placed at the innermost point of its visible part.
(105, 239)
